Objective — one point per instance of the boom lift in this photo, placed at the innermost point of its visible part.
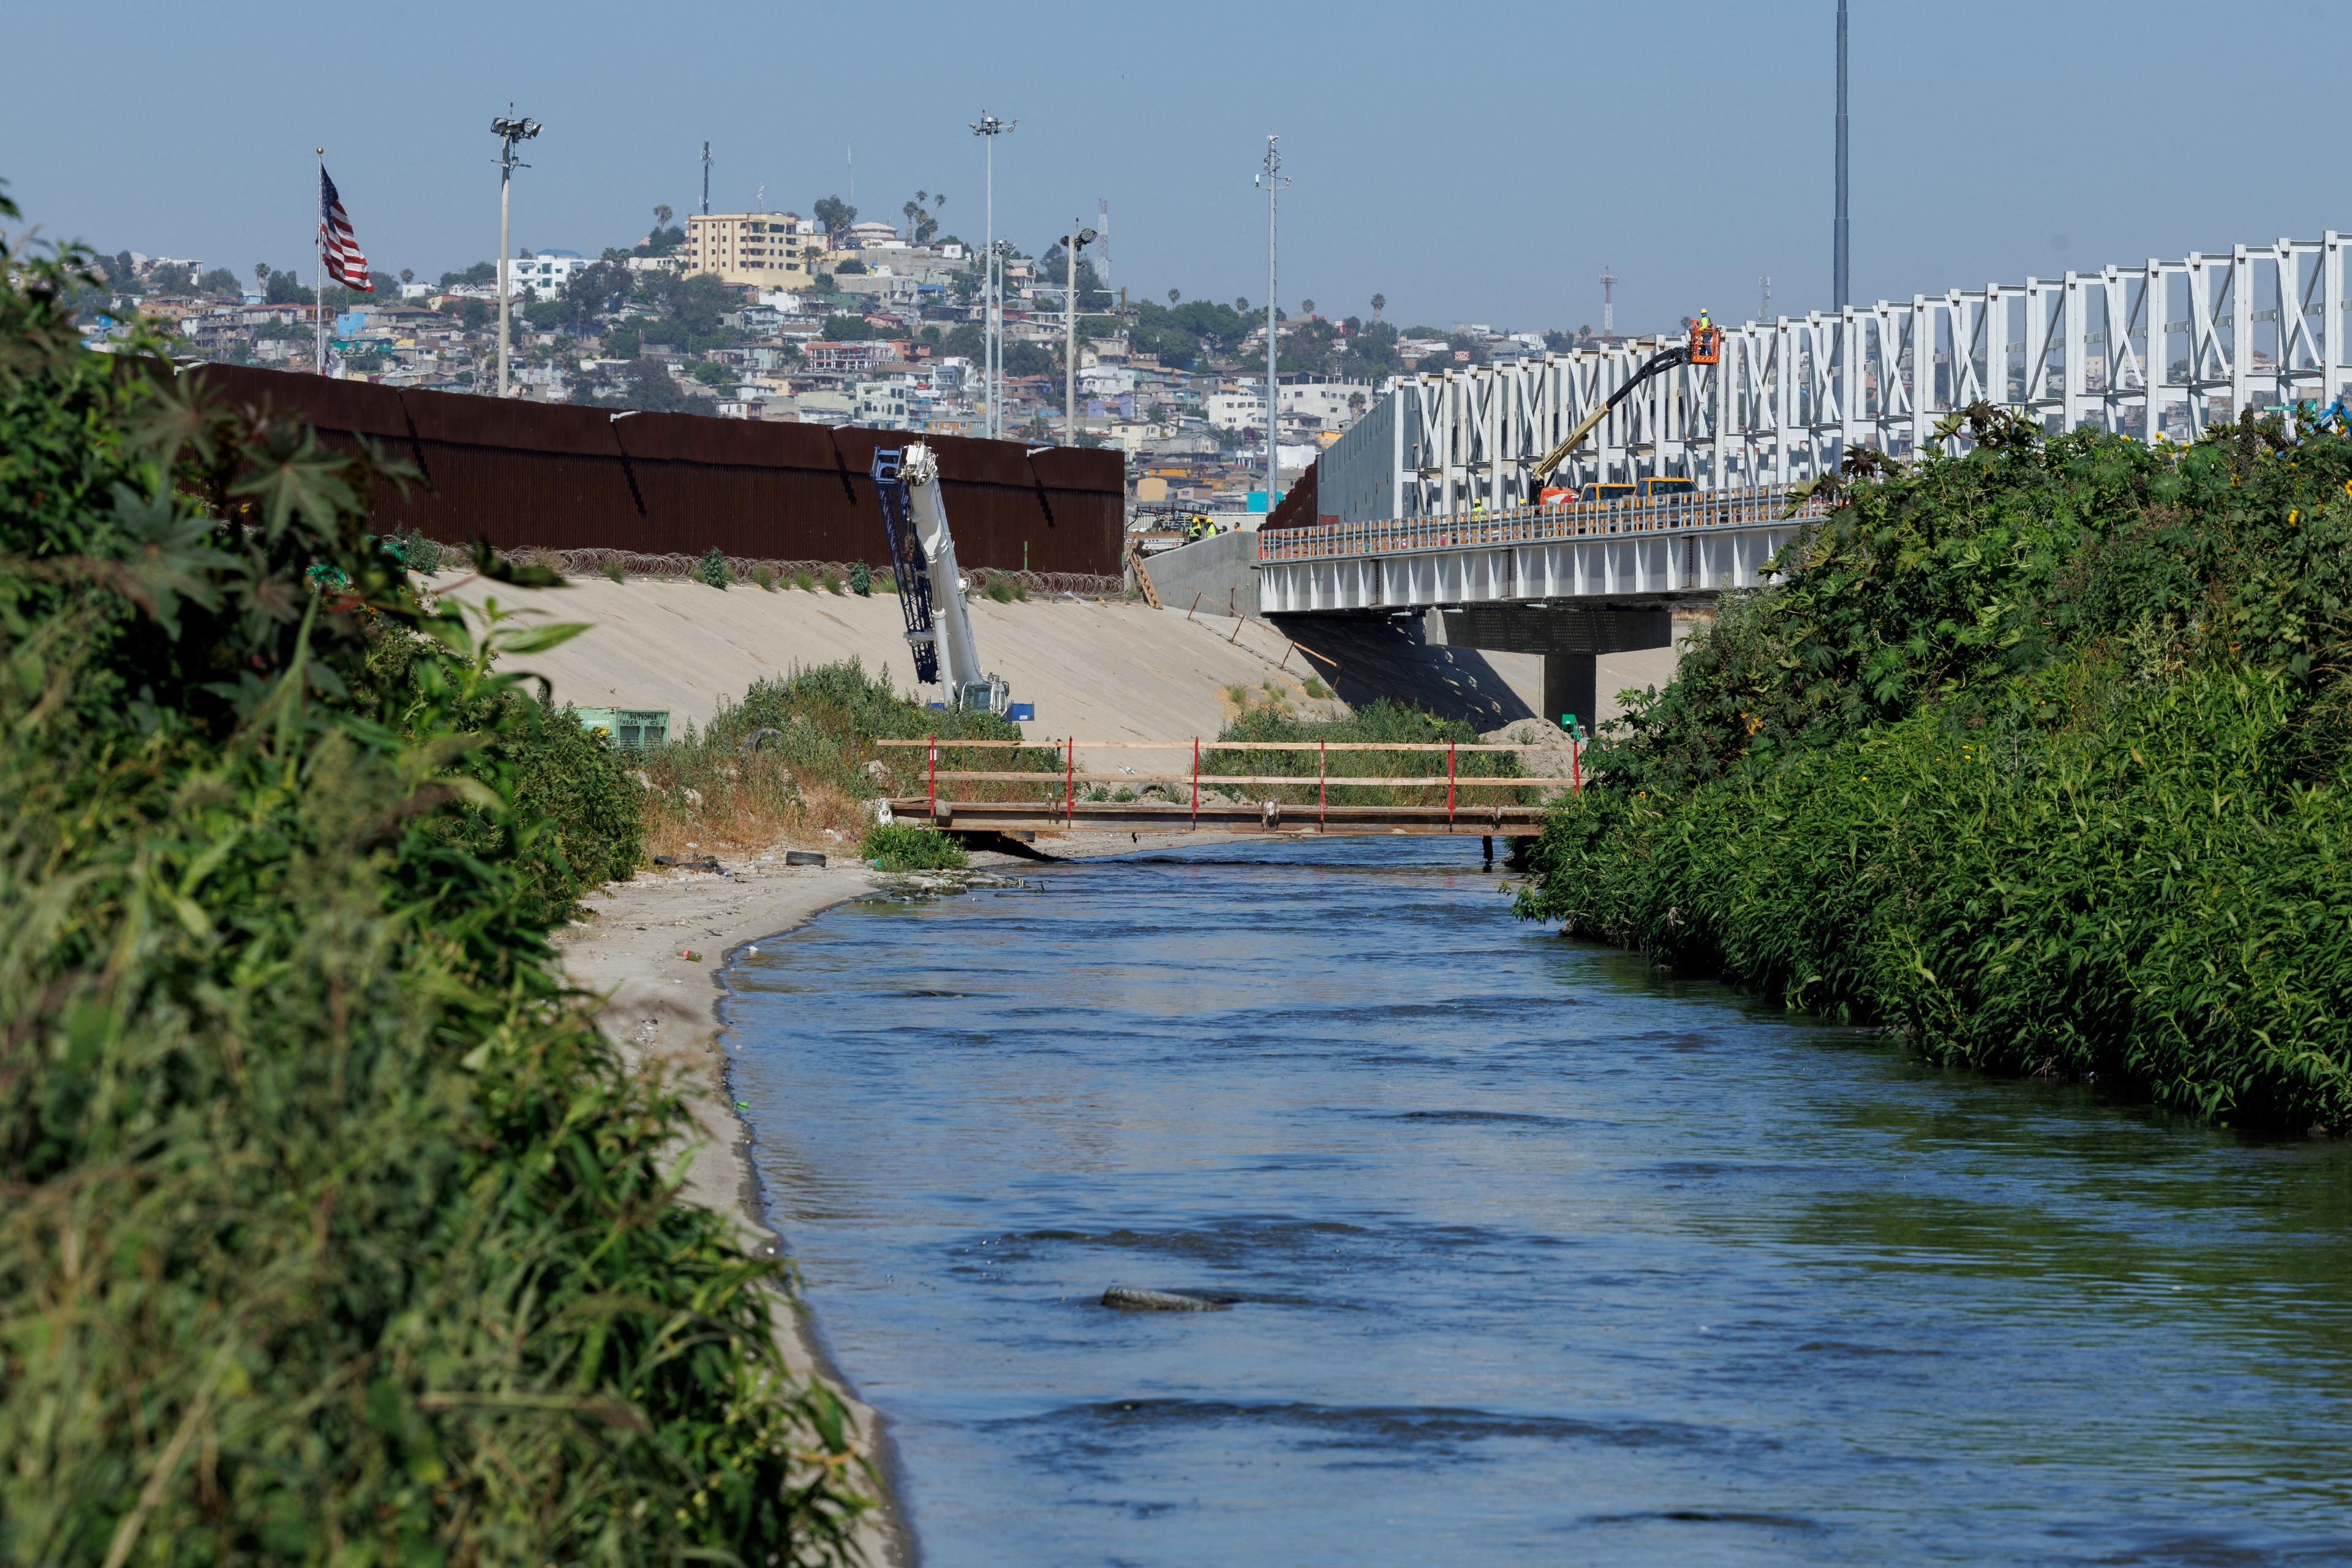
(930, 587)
(1706, 347)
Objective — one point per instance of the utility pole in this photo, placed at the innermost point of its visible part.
(706, 179)
(1071, 241)
(1270, 177)
(1843, 275)
(509, 129)
(991, 309)
(1608, 302)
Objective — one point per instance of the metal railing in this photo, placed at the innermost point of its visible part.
(1756, 508)
(1062, 785)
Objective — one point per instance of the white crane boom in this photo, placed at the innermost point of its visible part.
(959, 672)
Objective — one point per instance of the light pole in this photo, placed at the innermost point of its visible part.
(509, 129)
(991, 311)
(1072, 241)
(1838, 265)
(1271, 177)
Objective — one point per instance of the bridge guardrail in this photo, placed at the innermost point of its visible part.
(1538, 524)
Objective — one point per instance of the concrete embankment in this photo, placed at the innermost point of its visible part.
(1096, 669)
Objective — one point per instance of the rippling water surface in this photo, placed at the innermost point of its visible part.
(1534, 1256)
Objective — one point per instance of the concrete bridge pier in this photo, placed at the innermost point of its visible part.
(1570, 642)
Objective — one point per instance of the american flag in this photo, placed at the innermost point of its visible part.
(346, 263)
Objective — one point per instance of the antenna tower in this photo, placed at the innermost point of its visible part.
(1608, 301)
(706, 179)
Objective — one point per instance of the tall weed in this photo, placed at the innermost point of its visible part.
(331, 1228)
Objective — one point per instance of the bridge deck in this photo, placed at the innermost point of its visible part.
(1701, 543)
(1212, 816)
(1061, 809)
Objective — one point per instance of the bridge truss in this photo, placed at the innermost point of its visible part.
(2167, 348)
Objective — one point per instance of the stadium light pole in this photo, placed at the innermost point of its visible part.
(992, 308)
(1072, 241)
(509, 129)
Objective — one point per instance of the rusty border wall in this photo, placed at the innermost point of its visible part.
(556, 477)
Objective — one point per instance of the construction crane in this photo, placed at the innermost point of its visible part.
(1705, 347)
(930, 585)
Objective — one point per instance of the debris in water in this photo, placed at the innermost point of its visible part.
(1135, 1298)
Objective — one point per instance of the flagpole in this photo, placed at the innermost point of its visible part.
(318, 279)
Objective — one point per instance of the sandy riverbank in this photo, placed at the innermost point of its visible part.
(663, 1009)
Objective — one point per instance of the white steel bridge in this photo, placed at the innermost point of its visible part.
(2159, 348)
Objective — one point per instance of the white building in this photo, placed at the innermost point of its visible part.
(1307, 405)
(1236, 410)
(545, 275)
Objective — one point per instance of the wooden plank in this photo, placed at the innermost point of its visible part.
(1438, 747)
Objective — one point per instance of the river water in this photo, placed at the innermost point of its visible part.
(1535, 1256)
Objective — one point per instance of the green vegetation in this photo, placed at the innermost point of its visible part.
(2038, 757)
(331, 1228)
(797, 757)
(1383, 722)
(861, 579)
(902, 847)
(712, 569)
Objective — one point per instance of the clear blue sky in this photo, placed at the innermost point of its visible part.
(1473, 161)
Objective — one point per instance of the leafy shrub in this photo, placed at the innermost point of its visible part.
(332, 1226)
(578, 818)
(712, 569)
(902, 847)
(2037, 756)
(414, 552)
(861, 579)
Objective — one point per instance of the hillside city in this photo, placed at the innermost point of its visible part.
(835, 320)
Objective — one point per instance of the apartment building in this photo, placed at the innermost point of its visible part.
(767, 250)
(543, 275)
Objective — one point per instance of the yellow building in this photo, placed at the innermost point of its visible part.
(768, 250)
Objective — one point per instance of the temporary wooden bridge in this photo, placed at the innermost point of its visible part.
(1059, 807)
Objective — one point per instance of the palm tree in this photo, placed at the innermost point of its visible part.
(662, 216)
(1241, 305)
(910, 211)
(1307, 307)
(1174, 295)
(1380, 303)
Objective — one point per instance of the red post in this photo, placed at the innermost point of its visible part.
(1449, 781)
(1069, 778)
(1575, 767)
(935, 778)
(1322, 789)
(1196, 781)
